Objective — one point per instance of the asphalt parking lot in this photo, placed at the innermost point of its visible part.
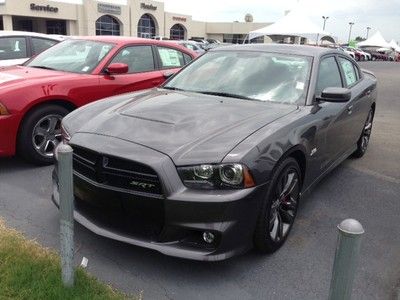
(367, 189)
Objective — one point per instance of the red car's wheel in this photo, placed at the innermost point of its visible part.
(40, 133)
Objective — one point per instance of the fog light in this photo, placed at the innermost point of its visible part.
(208, 237)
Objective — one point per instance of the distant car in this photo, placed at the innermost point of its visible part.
(357, 54)
(367, 56)
(192, 45)
(35, 97)
(218, 159)
(16, 47)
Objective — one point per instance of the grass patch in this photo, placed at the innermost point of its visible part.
(29, 271)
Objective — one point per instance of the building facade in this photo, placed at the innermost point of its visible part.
(142, 18)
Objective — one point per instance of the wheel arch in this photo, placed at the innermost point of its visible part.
(60, 102)
(298, 153)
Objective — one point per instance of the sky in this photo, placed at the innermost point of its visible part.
(382, 15)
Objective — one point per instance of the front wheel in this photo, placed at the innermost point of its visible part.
(40, 133)
(279, 208)
(363, 141)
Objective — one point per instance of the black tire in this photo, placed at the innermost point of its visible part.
(264, 241)
(35, 119)
(363, 141)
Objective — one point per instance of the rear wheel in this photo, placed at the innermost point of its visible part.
(279, 208)
(40, 133)
(363, 141)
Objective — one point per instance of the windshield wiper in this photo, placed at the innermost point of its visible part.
(172, 88)
(223, 94)
(43, 67)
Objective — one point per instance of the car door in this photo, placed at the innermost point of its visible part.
(142, 71)
(337, 116)
(357, 107)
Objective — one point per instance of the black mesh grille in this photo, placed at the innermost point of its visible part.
(116, 172)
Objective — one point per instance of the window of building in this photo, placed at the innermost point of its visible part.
(240, 38)
(328, 75)
(170, 58)
(177, 32)
(138, 58)
(21, 24)
(13, 48)
(56, 27)
(1, 23)
(349, 71)
(146, 27)
(39, 44)
(107, 25)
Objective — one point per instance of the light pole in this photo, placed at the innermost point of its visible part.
(351, 25)
(368, 28)
(325, 18)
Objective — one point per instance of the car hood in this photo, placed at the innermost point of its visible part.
(17, 75)
(188, 127)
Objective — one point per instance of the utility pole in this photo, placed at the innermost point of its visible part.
(368, 28)
(351, 25)
(325, 18)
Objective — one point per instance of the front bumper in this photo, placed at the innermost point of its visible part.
(183, 214)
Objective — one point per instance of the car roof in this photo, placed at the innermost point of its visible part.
(304, 50)
(5, 33)
(120, 40)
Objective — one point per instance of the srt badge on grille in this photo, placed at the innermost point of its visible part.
(143, 185)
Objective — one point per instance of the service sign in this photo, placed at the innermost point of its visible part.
(106, 8)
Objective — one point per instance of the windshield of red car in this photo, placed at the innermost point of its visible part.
(248, 75)
(76, 56)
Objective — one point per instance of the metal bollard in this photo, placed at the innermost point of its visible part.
(64, 153)
(346, 259)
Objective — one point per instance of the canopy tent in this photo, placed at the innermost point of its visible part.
(376, 40)
(295, 23)
(394, 45)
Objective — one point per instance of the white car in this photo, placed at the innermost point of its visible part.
(367, 56)
(16, 47)
(192, 45)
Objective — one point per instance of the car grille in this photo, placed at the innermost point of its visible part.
(116, 173)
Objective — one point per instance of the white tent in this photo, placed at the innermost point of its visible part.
(295, 23)
(376, 40)
(394, 45)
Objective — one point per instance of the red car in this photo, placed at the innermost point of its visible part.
(35, 97)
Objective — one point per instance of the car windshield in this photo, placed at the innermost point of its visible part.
(76, 56)
(248, 75)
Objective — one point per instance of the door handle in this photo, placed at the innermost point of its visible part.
(350, 109)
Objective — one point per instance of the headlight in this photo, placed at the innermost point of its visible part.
(66, 137)
(3, 109)
(221, 176)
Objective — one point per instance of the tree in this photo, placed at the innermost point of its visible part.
(359, 39)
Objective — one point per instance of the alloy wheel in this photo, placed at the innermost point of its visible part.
(366, 132)
(47, 134)
(284, 206)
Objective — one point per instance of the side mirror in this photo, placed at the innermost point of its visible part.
(335, 94)
(168, 74)
(117, 68)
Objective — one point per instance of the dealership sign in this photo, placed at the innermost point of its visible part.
(46, 8)
(179, 19)
(148, 6)
(108, 9)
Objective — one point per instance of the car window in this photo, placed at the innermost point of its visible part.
(187, 57)
(328, 75)
(350, 74)
(39, 45)
(12, 48)
(170, 58)
(190, 46)
(138, 58)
